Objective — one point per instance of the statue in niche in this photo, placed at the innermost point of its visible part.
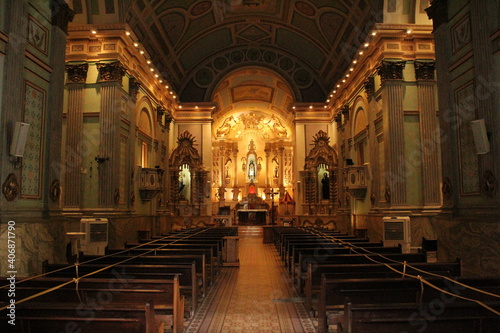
(325, 186)
(251, 171)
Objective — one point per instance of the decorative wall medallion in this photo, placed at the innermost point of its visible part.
(302, 77)
(77, 73)
(461, 34)
(112, 71)
(132, 198)
(37, 35)
(424, 70)
(286, 64)
(391, 70)
(305, 8)
(116, 196)
(269, 57)
(55, 190)
(388, 194)
(201, 8)
(237, 56)
(203, 77)
(447, 189)
(253, 54)
(220, 63)
(10, 188)
(489, 184)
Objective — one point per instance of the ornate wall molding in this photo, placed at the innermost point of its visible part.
(110, 72)
(10, 187)
(424, 70)
(55, 190)
(77, 73)
(391, 70)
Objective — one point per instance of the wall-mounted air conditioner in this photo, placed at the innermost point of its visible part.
(96, 235)
(397, 231)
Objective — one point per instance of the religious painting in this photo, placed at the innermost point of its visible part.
(38, 35)
(461, 34)
(252, 92)
(469, 162)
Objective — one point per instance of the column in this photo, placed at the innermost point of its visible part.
(61, 15)
(108, 160)
(77, 75)
(431, 177)
(391, 74)
(13, 89)
(486, 87)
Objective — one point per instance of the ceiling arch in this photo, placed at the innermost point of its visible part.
(194, 43)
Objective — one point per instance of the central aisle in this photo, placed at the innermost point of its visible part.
(256, 297)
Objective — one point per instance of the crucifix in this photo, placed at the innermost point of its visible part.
(272, 194)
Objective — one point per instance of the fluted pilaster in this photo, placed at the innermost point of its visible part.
(429, 134)
(108, 148)
(391, 74)
(74, 130)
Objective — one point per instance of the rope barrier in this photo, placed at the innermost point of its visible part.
(404, 274)
(76, 265)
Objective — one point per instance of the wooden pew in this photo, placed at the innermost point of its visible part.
(312, 282)
(109, 300)
(211, 263)
(65, 317)
(199, 259)
(186, 274)
(392, 290)
(430, 317)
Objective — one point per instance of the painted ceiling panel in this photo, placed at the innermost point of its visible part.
(189, 35)
(205, 46)
(300, 47)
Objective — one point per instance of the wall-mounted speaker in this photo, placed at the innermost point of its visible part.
(480, 136)
(368, 171)
(19, 137)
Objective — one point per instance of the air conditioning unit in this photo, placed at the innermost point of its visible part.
(96, 235)
(397, 231)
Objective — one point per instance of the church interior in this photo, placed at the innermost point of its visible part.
(157, 117)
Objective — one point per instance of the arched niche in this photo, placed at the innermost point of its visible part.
(188, 177)
(320, 176)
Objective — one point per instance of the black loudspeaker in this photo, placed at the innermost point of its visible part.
(348, 161)
(19, 137)
(480, 136)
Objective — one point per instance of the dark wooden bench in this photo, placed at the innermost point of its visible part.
(334, 292)
(150, 259)
(430, 317)
(186, 274)
(118, 298)
(312, 281)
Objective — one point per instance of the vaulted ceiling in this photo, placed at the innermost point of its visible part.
(196, 43)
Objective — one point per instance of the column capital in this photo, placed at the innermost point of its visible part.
(424, 70)
(77, 73)
(112, 71)
(391, 70)
(438, 12)
(61, 14)
(369, 86)
(134, 86)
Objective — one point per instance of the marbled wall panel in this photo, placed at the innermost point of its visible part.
(475, 243)
(36, 242)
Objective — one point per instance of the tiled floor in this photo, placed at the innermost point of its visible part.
(256, 297)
